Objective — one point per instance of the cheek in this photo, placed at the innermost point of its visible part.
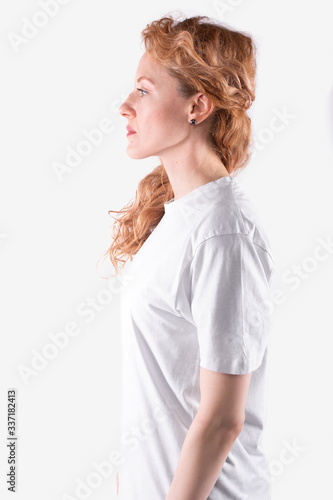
(156, 122)
(170, 118)
(161, 121)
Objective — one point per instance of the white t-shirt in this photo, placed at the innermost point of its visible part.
(198, 296)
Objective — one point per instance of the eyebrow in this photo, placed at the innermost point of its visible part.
(145, 78)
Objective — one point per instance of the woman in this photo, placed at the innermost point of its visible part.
(195, 316)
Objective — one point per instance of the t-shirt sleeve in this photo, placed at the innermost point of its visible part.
(229, 289)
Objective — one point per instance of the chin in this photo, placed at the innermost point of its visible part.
(137, 155)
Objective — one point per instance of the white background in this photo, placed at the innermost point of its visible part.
(70, 75)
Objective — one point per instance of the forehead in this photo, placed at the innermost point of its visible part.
(151, 69)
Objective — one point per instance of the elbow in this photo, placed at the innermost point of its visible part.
(237, 427)
(231, 426)
(228, 432)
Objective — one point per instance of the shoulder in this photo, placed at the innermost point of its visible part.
(229, 215)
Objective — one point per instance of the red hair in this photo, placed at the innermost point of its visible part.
(205, 56)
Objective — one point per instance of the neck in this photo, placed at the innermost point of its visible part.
(192, 167)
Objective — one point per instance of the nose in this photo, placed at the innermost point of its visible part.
(126, 109)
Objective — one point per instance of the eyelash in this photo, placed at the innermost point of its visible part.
(141, 90)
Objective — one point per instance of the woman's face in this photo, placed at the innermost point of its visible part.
(159, 116)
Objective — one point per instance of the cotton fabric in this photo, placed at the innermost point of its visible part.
(196, 294)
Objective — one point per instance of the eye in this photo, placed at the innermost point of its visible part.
(143, 92)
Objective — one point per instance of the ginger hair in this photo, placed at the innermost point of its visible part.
(207, 56)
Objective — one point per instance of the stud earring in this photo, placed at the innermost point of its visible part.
(193, 122)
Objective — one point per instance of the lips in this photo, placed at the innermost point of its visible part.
(130, 130)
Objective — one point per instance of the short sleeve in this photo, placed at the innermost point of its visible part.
(229, 281)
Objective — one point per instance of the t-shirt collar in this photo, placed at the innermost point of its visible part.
(200, 190)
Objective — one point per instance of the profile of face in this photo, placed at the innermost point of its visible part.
(155, 111)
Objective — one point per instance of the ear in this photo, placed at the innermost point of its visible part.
(201, 107)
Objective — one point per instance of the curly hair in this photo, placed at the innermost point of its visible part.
(204, 56)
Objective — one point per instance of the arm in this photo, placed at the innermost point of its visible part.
(211, 435)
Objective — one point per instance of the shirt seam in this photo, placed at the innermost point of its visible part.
(243, 326)
(206, 239)
(233, 186)
(217, 236)
(235, 201)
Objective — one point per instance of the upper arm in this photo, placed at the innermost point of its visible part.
(223, 398)
(228, 297)
(228, 293)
